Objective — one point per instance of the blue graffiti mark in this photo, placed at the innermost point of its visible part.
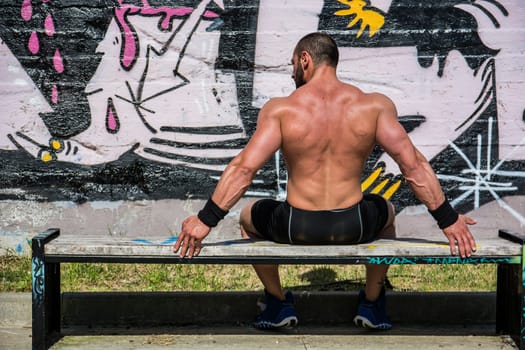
(37, 280)
(391, 261)
(19, 249)
(437, 260)
(215, 25)
(168, 241)
(471, 260)
(143, 241)
(171, 240)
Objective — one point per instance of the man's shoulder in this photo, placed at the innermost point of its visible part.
(374, 101)
(379, 98)
(348, 89)
(275, 107)
(275, 103)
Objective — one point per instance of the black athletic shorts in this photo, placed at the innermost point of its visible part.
(282, 223)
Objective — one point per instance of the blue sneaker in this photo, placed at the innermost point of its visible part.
(372, 315)
(276, 313)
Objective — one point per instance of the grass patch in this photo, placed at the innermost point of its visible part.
(15, 276)
(15, 273)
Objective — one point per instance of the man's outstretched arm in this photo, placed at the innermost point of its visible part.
(421, 178)
(234, 181)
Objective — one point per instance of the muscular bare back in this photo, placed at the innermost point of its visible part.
(328, 130)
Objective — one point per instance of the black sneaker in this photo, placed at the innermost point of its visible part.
(276, 313)
(372, 315)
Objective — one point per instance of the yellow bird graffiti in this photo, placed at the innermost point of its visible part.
(368, 17)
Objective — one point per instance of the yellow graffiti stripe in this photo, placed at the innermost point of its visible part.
(392, 189)
(380, 187)
(393, 185)
(421, 245)
(371, 179)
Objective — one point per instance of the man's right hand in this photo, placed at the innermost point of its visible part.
(459, 233)
(190, 238)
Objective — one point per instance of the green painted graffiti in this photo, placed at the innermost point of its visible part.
(441, 260)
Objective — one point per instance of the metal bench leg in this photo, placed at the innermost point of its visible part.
(509, 301)
(521, 304)
(46, 293)
(510, 307)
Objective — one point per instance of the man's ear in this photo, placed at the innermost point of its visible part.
(305, 58)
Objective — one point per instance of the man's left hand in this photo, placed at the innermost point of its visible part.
(459, 233)
(191, 236)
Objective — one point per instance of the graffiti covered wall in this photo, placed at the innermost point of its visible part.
(125, 102)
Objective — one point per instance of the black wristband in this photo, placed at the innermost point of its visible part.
(445, 215)
(211, 214)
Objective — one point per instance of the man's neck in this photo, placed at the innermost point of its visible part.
(323, 72)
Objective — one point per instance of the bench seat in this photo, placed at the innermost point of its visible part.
(383, 251)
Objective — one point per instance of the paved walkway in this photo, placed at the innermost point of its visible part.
(332, 338)
(15, 333)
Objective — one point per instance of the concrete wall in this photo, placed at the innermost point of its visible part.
(117, 117)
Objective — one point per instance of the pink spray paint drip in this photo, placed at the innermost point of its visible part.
(57, 62)
(54, 94)
(49, 25)
(112, 120)
(129, 51)
(27, 10)
(33, 45)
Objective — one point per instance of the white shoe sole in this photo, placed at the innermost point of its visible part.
(287, 322)
(363, 322)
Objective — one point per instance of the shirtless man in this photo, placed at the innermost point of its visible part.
(325, 129)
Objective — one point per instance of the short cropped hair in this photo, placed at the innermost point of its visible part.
(321, 47)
